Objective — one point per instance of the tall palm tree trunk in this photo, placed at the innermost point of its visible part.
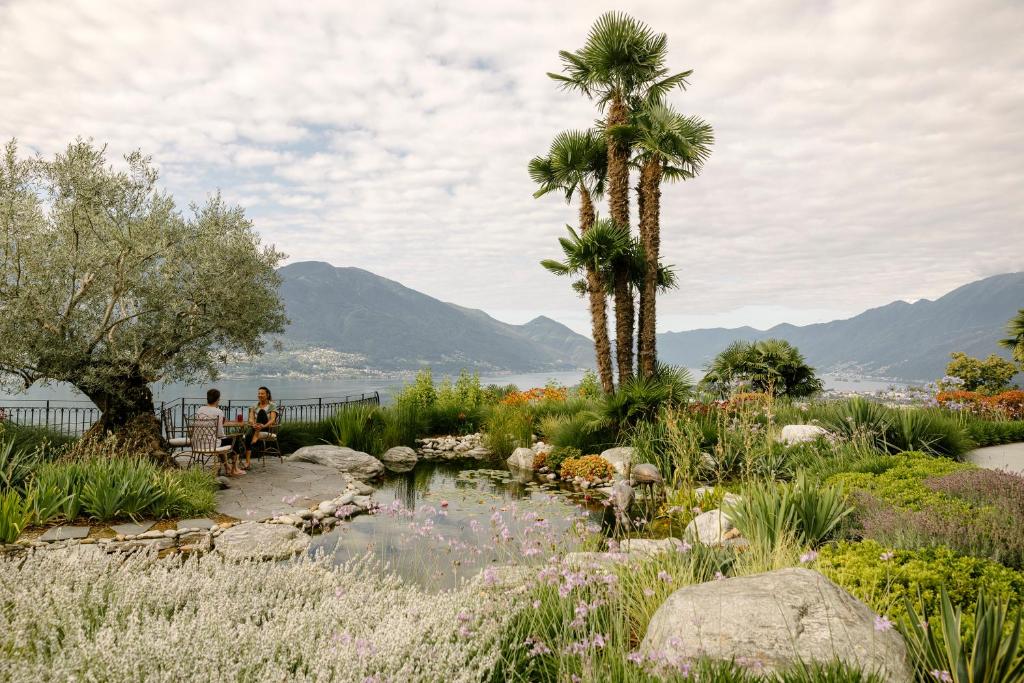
(618, 200)
(598, 306)
(650, 191)
(640, 341)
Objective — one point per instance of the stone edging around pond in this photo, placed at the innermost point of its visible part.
(355, 500)
(453, 447)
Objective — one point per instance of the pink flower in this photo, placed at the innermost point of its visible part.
(885, 557)
(685, 547)
(536, 604)
(883, 624)
(635, 657)
(444, 503)
(941, 676)
(719, 576)
(665, 576)
(809, 556)
(649, 592)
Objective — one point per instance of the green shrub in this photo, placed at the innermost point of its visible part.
(31, 438)
(641, 398)
(48, 500)
(994, 432)
(883, 577)
(559, 454)
(580, 431)
(15, 514)
(358, 427)
(16, 465)
(930, 431)
(769, 514)
(507, 428)
(901, 483)
(938, 645)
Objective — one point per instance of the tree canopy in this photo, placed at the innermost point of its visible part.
(770, 366)
(992, 374)
(106, 285)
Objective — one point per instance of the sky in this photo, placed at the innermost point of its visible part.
(865, 151)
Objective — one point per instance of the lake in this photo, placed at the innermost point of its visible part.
(285, 389)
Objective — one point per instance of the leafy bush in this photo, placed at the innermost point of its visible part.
(641, 398)
(16, 465)
(15, 514)
(883, 577)
(506, 428)
(579, 431)
(769, 514)
(559, 454)
(994, 432)
(901, 483)
(32, 438)
(929, 431)
(590, 467)
(941, 650)
(108, 488)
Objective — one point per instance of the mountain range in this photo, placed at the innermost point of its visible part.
(355, 318)
(393, 328)
(908, 341)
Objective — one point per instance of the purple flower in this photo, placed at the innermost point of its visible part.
(883, 624)
(665, 576)
(885, 557)
(809, 556)
(635, 657)
(941, 676)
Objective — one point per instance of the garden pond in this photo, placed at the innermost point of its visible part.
(443, 523)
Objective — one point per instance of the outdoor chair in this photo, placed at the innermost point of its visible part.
(269, 445)
(205, 444)
(173, 440)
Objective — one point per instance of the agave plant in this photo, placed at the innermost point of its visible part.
(993, 655)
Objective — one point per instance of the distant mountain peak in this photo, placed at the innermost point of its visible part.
(910, 341)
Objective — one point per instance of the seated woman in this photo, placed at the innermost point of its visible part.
(261, 416)
(211, 411)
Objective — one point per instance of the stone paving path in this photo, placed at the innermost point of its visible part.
(1009, 457)
(279, 488)
(132, 529)
(59, 533)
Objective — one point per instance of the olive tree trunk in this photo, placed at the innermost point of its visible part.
(127, 411)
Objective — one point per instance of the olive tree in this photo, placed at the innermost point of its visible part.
(106, 285)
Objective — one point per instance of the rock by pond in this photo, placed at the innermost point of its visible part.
(399, 459)
(356, 463)
(258, 541)
(775, 620)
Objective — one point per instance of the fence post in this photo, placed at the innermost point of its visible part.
(320, 408)
(47, 418)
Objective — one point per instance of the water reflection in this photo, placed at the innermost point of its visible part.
(441, 523)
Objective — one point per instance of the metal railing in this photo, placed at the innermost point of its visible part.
(73, 418)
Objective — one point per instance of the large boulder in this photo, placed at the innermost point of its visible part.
(521, 458)
(709, 527)
(621, 457)
(399, 459)
(360, 465)
(259, 541)
(773, 621)
(651, 546)
(794, 434)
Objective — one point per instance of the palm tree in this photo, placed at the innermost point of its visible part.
(577, 164)
(1015, 342)
(769, 365)
(621, 66)
(592, 252)
(670, 147)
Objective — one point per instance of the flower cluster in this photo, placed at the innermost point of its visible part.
(590, 467)
(535, 395)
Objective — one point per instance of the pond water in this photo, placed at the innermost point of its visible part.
(443, 523)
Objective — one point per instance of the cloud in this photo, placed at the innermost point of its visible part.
(865, 151)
